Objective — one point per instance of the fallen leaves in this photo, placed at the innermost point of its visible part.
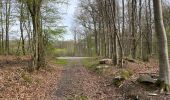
(17, 83)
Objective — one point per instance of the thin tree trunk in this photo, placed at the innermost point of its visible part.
(115, 53)
(2, 28)
(8, 10)
(123, 33)
(140, 28)
(150, 28)
(133, 29)
(21, 28)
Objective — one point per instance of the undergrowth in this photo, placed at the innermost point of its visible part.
(26, 78)
(61, 62)
(79, 98)
(91, 63)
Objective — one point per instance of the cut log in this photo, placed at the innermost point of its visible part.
(106, 61)
(102, 66)
(146, 79)
(152, 94)
(130, 60)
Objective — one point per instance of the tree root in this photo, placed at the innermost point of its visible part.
(163, 86)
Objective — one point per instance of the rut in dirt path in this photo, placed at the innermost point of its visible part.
(77, 82)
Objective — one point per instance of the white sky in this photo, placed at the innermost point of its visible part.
(68, 19)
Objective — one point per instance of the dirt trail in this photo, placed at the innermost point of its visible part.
(76, 82)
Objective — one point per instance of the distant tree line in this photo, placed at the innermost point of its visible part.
(34, 22)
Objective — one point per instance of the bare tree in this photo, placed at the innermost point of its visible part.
(8, 12)
(21, 26)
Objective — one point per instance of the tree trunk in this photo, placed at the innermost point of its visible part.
(2, 29)
(38, 48)
(140, 28)
(164, 68)
(8, 10)
(21, 28)
(133, 29)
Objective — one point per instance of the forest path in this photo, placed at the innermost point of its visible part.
(77, 83)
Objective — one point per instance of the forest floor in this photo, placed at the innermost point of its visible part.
(79, 81)
(16, 83)
(74, 80)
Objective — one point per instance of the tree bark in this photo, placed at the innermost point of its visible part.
(38, 48)
(21, 27)
(8, 10)
(133, 29)
(164, 68)
(2, 29)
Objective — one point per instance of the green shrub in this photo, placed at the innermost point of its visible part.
(126, 73)
(121, 77)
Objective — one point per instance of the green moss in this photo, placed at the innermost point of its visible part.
(121, 77)
(61, 62)
(92, 64)
(126, 73)
(78, 98)
(69, 98)
(164, 87)
(83, 98)
(26, 78)
(117, 82)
